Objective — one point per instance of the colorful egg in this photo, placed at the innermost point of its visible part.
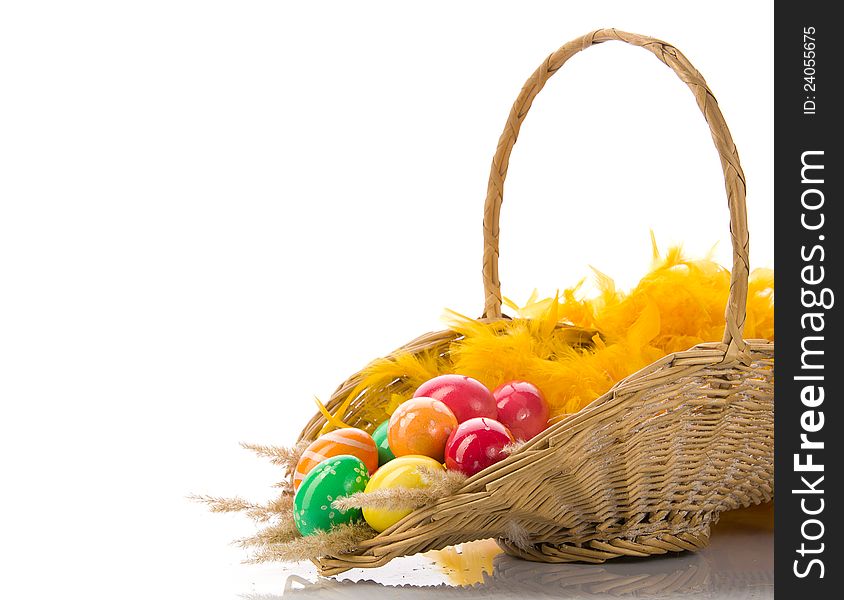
(466, 397)
(475, 445)
(522, 409)
(348, 440)
(333, 478)
(420, 426)
(402, 472)
(380, 436)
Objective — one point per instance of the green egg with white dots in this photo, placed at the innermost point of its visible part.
(333, 478)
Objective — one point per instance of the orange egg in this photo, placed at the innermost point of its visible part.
(421, 426)
(348, 440)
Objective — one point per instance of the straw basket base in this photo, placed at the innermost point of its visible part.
(598, 551)
(646, 469)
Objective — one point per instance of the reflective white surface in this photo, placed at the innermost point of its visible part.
(212, 211)
(737, 564)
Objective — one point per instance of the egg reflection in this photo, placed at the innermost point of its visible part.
(468, 563)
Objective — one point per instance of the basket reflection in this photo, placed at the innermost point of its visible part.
(738, 565)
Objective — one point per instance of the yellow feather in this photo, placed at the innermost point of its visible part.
(553, 343)
(331, 420)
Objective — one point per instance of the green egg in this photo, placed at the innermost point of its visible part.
(333, 478)
(385, 455)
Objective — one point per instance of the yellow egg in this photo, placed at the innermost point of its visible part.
(401, 472)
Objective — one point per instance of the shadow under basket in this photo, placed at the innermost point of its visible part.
(644, 469)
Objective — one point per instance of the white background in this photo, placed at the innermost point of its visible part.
(212, 211)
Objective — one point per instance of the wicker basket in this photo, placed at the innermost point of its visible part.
(644, 469)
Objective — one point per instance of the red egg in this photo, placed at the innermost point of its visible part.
(475, 445)
(466, 397)
(522, 409)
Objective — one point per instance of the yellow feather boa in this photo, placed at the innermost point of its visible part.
(678, 304)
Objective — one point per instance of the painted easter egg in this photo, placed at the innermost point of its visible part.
(466, 397)
(380, 436)
(402, 472)
(333, 478)
(348, 440)
(522, 409)
(475, 445)
(420, 426)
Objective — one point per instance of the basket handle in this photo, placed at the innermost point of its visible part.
(733, 175)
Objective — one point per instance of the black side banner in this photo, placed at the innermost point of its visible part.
(808, 368)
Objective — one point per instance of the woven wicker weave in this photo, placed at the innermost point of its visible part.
(644, 469)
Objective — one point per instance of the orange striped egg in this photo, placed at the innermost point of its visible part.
(348, 440)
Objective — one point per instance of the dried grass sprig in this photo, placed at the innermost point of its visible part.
(341, 539)
(280, 507)
(517, 534)
(217, 504)
(391, 499)
(281, 504)
(512, 447)
(280, 533)
(282, 456)
(441, 483)
(276, 507)
(438, 484)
